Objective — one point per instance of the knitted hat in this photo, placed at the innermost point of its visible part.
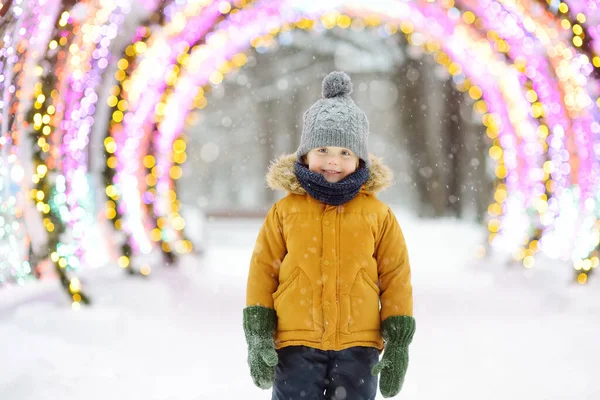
(335, 120)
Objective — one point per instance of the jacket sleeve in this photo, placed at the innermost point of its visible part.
(268, 253)
(394, 270)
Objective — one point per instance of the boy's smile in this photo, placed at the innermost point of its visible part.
(334, 163)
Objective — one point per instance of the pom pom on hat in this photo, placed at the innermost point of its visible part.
(337, 83)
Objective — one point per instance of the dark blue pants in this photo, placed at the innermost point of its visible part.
(312, 374)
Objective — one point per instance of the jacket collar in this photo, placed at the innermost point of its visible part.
(281, 175)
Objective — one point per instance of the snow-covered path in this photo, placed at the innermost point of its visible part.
(484, 330)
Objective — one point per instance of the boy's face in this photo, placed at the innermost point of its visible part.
(334, 163)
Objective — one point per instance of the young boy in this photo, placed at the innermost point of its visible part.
(329, 282)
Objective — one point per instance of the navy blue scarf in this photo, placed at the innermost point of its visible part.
(330, 193)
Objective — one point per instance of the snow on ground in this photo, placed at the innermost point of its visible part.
(485, 330)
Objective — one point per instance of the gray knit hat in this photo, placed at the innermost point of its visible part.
(335, 120)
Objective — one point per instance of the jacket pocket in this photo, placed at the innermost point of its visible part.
(362, 305)
(293, 302)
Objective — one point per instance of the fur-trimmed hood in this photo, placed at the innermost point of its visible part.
(281, 175)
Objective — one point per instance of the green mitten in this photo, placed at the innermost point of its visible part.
(259, 327)
(397, 333)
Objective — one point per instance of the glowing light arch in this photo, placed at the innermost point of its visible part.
(514, 25)
(232, 38)
(278, 10)
(162, 91)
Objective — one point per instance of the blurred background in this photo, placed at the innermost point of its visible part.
(136, 134)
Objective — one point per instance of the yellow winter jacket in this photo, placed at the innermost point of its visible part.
(332, 273)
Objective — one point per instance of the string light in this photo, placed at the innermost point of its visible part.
(539, 79)
(156, 69)
(14, 266)
(169, 154)
(577, 159)
(49, 190)
(118, 103)
(88, 58)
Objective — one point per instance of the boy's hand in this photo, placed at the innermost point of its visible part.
(397, 333)
(393, 366)
(262, 360)
(259, 328)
